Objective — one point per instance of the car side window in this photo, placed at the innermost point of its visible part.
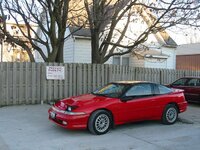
(192, 82)
(180, 82)
(162, 89)
(139, 90)
(198, 82)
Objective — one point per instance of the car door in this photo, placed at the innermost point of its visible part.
(192, 90)
(136, 103)
(161, 99)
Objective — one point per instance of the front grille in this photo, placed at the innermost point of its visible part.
(57, 120)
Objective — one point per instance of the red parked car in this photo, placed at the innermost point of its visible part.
(118, 103)
(191, 87)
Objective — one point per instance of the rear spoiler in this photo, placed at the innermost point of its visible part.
(177, 90)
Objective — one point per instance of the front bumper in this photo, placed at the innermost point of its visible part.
(69, 121)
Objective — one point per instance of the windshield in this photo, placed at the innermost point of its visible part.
(111, 90)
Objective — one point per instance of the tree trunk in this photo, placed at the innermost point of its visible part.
(31, 57)
(52, 56)
(96, 57)
(60, 55)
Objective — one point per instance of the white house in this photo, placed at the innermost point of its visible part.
(161, 51)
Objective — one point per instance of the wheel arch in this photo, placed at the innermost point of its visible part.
(109, 111)
(175, 104)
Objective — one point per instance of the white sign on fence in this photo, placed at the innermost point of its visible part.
(55, 73)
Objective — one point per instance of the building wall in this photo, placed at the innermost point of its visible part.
(37, 55)
(188, 49)
(188, 62)
(188, 57)
(69, 50)
(169, 63)
(82, 51)
(136, 62)
(155, 63)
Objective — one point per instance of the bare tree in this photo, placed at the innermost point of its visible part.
(107, 38)
(50, 16)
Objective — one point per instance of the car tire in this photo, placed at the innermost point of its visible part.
(170, 114)
(100, 122)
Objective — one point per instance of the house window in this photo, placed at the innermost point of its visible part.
(125, 61)
(117, 60)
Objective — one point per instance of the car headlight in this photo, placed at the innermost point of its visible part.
(68, 112)
(69, 108)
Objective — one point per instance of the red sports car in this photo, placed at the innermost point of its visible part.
(118, 103)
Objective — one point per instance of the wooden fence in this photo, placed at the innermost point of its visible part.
(26, 83)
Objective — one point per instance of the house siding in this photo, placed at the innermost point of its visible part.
(154, 63)
(38, 57)
(67, 46)
(158, 64)
(135, 62)
(188, 62)
(78, 50)
(69, 50)
(168, 63)
(82, 53)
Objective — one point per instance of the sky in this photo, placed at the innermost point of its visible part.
(184, 35)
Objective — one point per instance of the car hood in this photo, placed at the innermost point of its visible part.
(87, 99)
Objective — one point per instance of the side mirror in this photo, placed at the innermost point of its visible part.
(168, 85)
(126, 98)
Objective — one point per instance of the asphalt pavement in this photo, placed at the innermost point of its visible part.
(27, 128)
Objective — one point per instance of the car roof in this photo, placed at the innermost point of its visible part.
(130, 82)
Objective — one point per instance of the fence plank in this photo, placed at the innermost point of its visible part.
(33, 84)
(8, 85)
(38, 82)
(1, 84)
(21, 86)
(79, 79)
(90, 87)
(74, 69)
(94, 78)
(66, 81)
(85, 79)
(43, 83)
